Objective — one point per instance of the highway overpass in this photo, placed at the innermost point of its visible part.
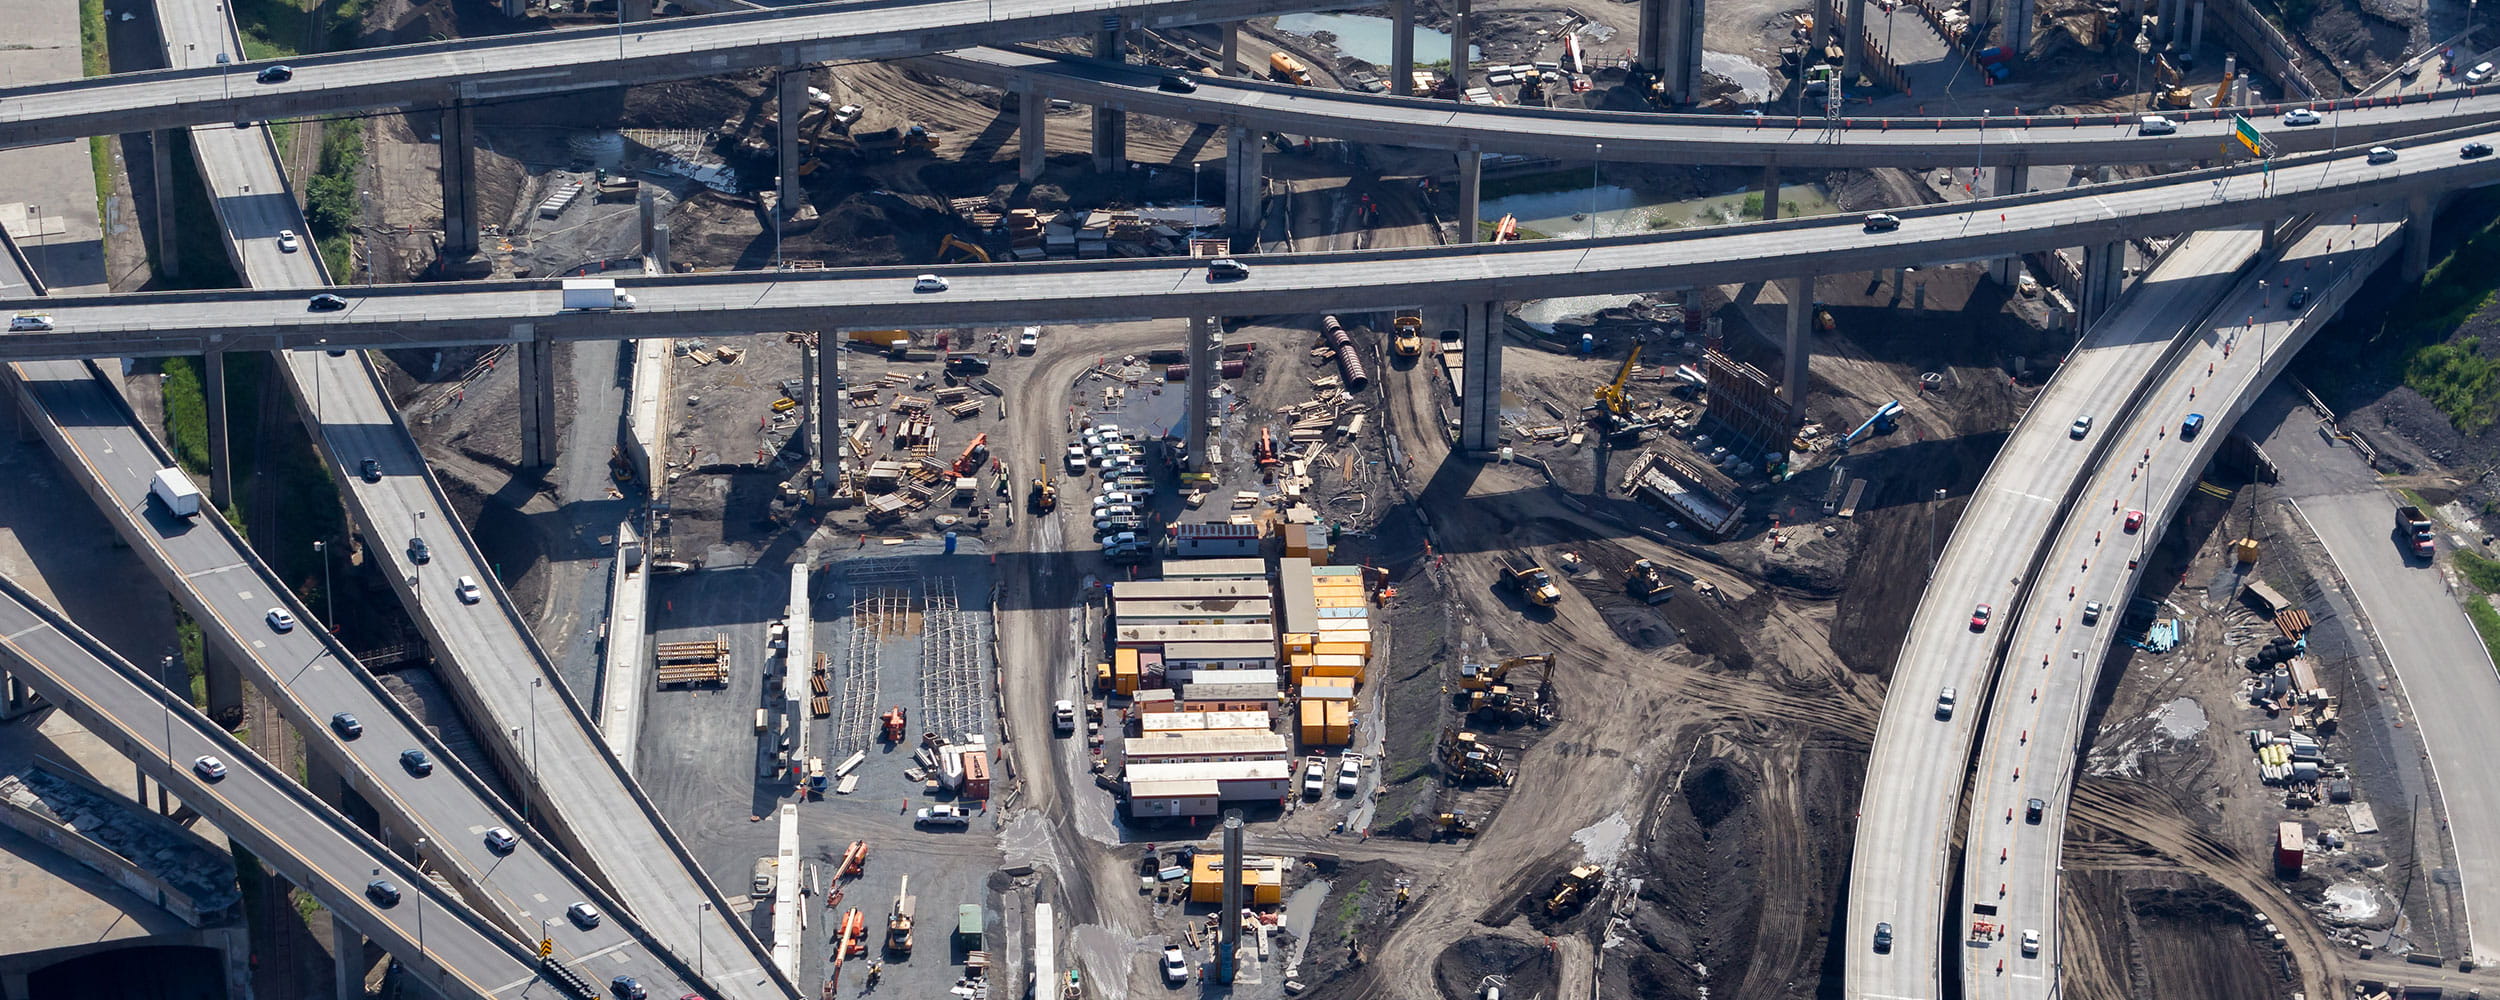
(225, 587)
(1911, 799)
(1707, 139)
(521, 712)
(458, 953)
(2052, 662)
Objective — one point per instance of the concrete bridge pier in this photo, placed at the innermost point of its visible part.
(1470, 191)
(2104, 276)
(1110, 123)
(1203, 358)
(2018, 15)
(1670, 46)
(633, 11)
(538, 401)
(1245, 185)
(220, 459)
(1853, 41)
(1770, 192)
(168, 253)
(2417, 237)
(1230, 65)
(225, 683)
(1401, 47)
(1459, 10)
(1480, 391)
(2007, 180)
(1032, 133)
(347, 966)
(1797, 347)
(792, 106)
(458, 144)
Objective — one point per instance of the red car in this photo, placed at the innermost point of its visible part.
(2135, 519)
(1979, 618)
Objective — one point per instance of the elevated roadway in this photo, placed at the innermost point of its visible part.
(1075, 291)
(2053, 662)
(1714, 139)
(504, 681)
(505, 67)
(1915, 771)
(283, 825)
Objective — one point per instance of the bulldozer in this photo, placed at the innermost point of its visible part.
(1647, 582)
(1453, 825)
(1045, 495)
(1574, 890)
(1464, 760)
(1409, 341)
(1534, 583)
(954, 250)
(1613, 412)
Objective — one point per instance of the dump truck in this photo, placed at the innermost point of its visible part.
(176, 491)
(1533, 583)
(1409, 341)
(1284, 68)
(2414, 531)
(594, 295)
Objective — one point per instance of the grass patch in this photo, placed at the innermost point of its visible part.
(1352, 905)
(1751, 208)
(305, 905)
(2483, 573)
(194, 658)
(2486, 621)
(275, 29)
(186, 414)
(2484, 576)
(330, 197)
(2458, 379)
(2407, 341)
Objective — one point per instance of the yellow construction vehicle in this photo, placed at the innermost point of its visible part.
(1409, 342)
(1574, 890)
(955, 251)
(898, 924)
(1045, 496)
(1478, 677)
(2176, 97)
(1533, 583)
(1456, 824)
(1648, 583)
(1465, 760)
(1613, 412)
(2164, 73)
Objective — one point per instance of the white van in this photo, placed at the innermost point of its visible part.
(2155, 125)
(2480, 73)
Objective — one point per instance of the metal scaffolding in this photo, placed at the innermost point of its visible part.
(875, 611)
(952, 694)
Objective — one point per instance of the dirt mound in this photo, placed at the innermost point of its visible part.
(1523, 969)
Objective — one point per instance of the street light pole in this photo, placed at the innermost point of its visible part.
(700, 911)
(1593, 160)
(329, 603)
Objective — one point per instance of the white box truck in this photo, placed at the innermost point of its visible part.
(597, 294)
(180, 497)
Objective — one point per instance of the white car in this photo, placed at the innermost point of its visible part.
(280, 621)
(1113, 498)
(500, 840)
(1118, 539)
(1175, 965)
(2300, 116)
(29, 322)
(2031, 944)
(2082, 426)
(209, 768)
(928, 283)
(1349, 773)
(1106, 430)
(467, 589)
(287, 242)
(2382, 154)
(1032, 339)
(1076, 460)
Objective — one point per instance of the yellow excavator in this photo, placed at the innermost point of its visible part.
(1613, 412)
(952, 250)
(1045, 495)
(1478, 677)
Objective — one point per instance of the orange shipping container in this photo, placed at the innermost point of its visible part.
(977, 775)
(1299, 642)
(1124, 671)
(1298, 666)
(1340, 717)
(1342, 649)
(1314, 724)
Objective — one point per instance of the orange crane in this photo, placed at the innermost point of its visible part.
(894, 724)
(854, 859)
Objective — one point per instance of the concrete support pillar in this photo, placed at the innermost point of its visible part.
(2196, 27)
(659, 247)
(322, 778)
(633, 11)
(1245, 184)
(458, 144)
(793, 106)
(1401, 47)
(1670, 46)
(225, 684)
(1231, 64)
(538, 401)
(828, 401)
(2272, 243)
(2018, 15)
(2104, 276)
(220, 459)
(2417, 237)
(1032, 133)
(1800, 292)
(1470, 191)
(1480, 388)
(1203, 356)
(348, 971)
(2007, 180)
(1458, 42)
(1770, 192)
(1110, 123)
(1853, 40)
(168, 261)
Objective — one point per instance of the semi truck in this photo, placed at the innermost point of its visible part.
(176, 491)
(594, 295)
(2414, 531)
(1286, 69)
